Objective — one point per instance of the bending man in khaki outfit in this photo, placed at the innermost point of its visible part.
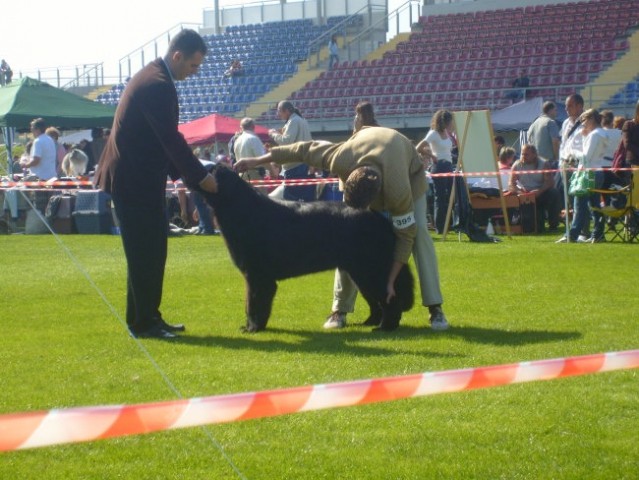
(402, 196)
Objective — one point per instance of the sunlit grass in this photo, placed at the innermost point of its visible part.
(522, 299)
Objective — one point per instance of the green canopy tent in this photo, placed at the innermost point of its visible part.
(25, 99)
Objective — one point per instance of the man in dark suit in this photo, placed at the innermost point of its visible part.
(145, 147)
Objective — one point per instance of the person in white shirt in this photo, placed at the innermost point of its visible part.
(594, 145)
(296, 129)
(249, 145)
(333, 52)
(613, 134)
(42, 161)
(571, 127)
(441, 146)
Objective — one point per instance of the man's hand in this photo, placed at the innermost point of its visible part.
(390, 284)
(246, 164)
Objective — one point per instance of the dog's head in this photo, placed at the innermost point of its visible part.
(230, 187)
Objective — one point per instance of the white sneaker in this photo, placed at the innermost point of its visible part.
(438, 321)
(563, 239)
(335, 320)
(583, 239)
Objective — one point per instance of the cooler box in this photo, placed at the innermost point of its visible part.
(35, 221)
(60, 213)
(92, 214)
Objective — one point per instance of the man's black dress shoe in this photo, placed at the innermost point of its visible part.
(154, 332)
(170, 328)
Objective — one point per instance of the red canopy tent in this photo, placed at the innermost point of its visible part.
(215, 128)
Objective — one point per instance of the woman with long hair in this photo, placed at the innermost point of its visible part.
(594, 146)
(440, 140)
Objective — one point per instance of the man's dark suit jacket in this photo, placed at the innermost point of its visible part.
(145, 146)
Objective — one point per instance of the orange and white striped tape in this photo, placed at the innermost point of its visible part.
(53, 427)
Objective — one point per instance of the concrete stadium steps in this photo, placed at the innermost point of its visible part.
(303, 76)
(283, 90)
(388, 47)
(93, 94)
(624, 69)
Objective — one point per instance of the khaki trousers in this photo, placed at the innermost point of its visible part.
(345, 290)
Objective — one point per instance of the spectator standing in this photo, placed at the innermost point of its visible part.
(528, 176)
(54, 133)
(249, 145)
(295, 129)
(6, 74)
(614, 139)
(630, 134)
(402, 196)
(627, 154)
(618, 122)
(26, 156)
(592, 156)
(571, 139)
(143, 148)
(97, 146)
(205, 225)
(543, 133)
(333, 52)
(42, 160)
(87, 147)
(440, 140)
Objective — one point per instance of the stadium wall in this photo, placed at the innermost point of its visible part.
(482, 5)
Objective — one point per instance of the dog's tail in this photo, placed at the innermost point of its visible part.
(405, 289)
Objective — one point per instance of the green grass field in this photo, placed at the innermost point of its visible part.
(64, 344)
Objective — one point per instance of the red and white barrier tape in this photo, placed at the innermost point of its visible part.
(39, 429)
(292, 182)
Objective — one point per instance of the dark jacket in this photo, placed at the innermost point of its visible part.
(145, 146)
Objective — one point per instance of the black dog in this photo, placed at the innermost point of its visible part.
(271, 240)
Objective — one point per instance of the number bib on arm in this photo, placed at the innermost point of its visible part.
(404, 221)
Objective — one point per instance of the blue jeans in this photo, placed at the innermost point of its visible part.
(205, 223)
(305, 193)
(597, 217)
(442, 187)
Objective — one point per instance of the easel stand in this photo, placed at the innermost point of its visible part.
(476, 138)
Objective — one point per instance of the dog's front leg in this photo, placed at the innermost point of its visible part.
(260, 292)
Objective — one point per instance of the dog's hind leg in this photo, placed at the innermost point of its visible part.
(375, 316)
(384, 316)
(260, 292)
(372, 287)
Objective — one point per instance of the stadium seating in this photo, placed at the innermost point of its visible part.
(468, 60)
(463, 60)
(269, 54)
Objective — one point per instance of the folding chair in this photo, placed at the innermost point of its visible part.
(621, 211)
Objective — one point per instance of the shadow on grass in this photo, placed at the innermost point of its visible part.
(356, 339)
(493, 336)
(361, 340)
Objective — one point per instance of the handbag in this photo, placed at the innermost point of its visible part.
(581, 182)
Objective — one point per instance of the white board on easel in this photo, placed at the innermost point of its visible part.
(477, 152)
